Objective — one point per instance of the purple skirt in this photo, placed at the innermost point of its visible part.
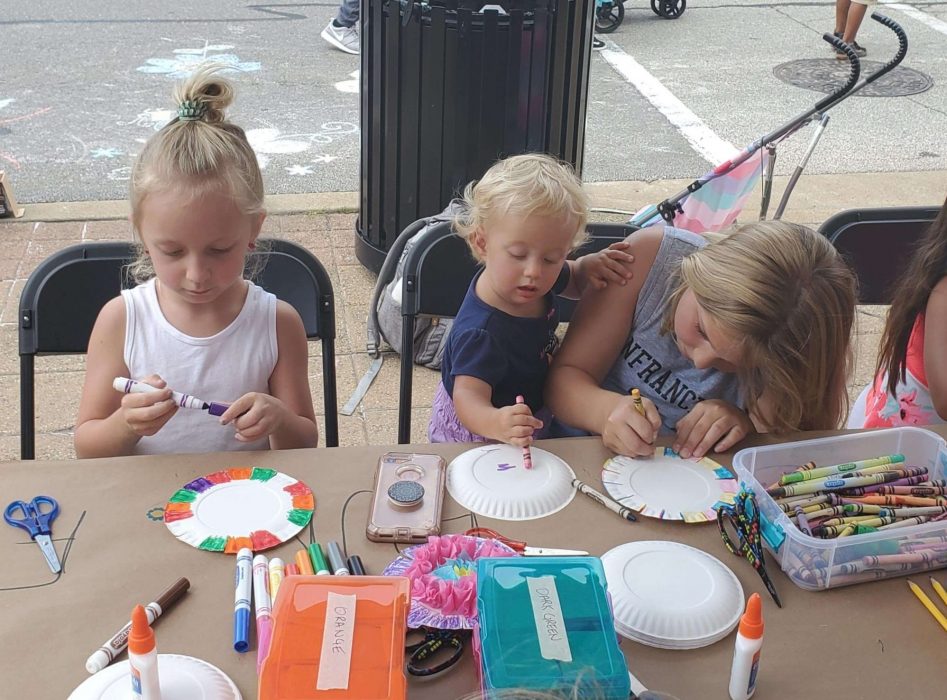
(445, 426)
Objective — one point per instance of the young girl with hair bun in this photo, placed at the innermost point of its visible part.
(194, 323)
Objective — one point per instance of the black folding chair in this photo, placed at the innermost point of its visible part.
(437, 273)
(877, 243)
(64, 294)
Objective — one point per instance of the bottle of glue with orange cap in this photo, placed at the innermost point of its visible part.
(746, 654)
(143, 658)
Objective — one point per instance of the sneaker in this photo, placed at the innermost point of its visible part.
(860, 50)
(597, 43)
(343, 38)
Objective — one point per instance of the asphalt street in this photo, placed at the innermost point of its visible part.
(82, 85)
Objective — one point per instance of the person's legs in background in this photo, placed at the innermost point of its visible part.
(342, 32)
(848, 18)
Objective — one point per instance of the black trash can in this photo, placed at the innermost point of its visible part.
(450, 86)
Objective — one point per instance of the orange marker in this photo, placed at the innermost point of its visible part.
(292, 570)
(304, 564)
(527, 455)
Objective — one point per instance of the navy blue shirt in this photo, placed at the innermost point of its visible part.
(510, 353)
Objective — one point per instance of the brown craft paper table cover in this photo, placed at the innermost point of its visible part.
(866, 641)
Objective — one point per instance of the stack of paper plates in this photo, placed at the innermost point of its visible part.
(181, 678)
(492, 481)
(671, 596)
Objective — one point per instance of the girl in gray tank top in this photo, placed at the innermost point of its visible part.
(651, 361)
(722, 335)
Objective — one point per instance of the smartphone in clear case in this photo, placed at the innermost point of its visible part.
(409, 495)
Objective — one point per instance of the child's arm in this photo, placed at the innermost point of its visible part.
(598, 330)
(286, 414)
(610, 266)
(513, 425)
(710, 424)
(111, 424)
(935, 343)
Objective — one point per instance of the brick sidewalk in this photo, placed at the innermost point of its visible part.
(331, 238)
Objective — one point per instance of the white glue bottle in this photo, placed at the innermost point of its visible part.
(143, 658)
(746, 654)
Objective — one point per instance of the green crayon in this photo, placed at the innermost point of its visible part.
(795, 477)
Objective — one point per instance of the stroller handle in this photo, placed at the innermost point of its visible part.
(902, 46)
(853, 63)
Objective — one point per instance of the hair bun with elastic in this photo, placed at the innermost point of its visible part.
(191, 110)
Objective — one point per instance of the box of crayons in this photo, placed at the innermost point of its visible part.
(852, 508)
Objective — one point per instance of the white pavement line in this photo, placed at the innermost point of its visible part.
(700, 136)
(938, 25)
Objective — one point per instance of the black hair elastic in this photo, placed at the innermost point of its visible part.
(433, 640)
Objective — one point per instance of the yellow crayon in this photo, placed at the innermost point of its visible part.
(928, 603)
(940, 589)
(636, 399)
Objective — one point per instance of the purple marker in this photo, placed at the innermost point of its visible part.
(130, 386)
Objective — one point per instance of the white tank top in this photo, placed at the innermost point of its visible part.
(222, 367)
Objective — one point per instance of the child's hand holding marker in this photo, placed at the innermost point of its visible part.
(146, 412)
(711, 424)
(609, 266)
(632, 426)
(255, 416)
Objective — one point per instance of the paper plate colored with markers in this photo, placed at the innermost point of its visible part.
(443, 575)
(243, 507)
(669, 487)
(671, 596)
(491, 481)
(181, 678)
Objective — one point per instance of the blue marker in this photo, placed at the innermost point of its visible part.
(241, 605)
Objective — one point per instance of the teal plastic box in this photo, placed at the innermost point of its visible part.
(545, 623)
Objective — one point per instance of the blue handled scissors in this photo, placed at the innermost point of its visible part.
(36, 518)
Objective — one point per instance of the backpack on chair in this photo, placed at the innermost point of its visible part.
(384, 313)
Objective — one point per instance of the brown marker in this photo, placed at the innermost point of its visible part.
(106, 653)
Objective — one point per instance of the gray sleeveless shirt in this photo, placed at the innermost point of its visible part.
(652, 362)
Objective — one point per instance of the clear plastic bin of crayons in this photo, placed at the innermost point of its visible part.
(815, 563)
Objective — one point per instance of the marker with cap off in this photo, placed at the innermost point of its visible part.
(130, 386)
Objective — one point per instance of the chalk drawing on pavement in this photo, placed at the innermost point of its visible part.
(349, 85)
(106, 152)
(186, 60)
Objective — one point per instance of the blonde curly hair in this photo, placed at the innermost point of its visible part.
(524, 185)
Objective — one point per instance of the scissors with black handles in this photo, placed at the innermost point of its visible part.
(431, 641)
(35, 517)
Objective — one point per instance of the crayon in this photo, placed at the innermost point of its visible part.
(318, 560)
(939, 589)
(527, 455)
(876, 464)
(887, 490)
(636, 400)
(907, 522)
(304, 563)
(106, 653)
(275, 570)
(896, 500)
(834, 484)
(928, 603)
(241, 605)
(802, 522)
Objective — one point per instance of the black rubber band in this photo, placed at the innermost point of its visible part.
(429, 648)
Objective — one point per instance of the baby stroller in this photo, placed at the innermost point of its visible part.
(609, 14)
(713, 201)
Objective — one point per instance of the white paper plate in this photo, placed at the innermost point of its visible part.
(668, 487)
(240, 507)
(672, 596)
(491, 481)
(181, 678)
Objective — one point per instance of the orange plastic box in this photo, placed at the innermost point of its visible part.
(337, 637)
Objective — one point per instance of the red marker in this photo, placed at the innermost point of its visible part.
(527, 455)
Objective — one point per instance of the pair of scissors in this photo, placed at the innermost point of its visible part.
(521, 547)
(36, 518)
(434, 639)
(743, 519)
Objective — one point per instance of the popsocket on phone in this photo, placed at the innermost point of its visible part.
(409, 490)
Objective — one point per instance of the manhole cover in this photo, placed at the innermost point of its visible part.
(827, 74)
